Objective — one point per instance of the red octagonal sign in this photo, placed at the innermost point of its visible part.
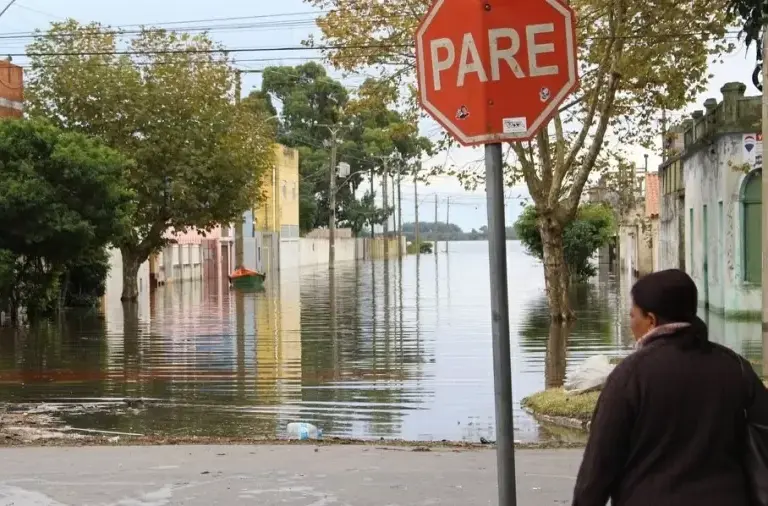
(495, 70)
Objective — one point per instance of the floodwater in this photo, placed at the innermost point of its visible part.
(386, 350)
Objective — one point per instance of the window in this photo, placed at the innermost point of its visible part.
(285, 190)
(752, 227)
(294, 191)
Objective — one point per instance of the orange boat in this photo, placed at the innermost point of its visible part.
(246, 278)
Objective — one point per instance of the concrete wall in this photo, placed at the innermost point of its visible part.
(636, 256)
(180, 262)
(315, 251)
(671, 237)
(290, 253)
(655, 247)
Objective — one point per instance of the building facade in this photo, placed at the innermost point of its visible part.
(271, 228)
(715, 184)
(672, 204)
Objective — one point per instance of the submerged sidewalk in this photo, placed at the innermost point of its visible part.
(275, 475)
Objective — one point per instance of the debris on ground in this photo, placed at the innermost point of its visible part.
(589, 376)
(35, 423)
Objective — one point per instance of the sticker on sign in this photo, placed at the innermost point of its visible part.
(515, 125)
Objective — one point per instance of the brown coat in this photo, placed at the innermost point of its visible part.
(669, 426)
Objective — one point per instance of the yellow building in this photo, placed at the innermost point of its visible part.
(271, 228)
(279, 209)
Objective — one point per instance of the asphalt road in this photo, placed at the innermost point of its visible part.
(275, 475)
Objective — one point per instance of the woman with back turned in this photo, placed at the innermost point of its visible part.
(669, 427)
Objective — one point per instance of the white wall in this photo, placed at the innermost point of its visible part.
(315, 251)
(290, 253)
(180, 262)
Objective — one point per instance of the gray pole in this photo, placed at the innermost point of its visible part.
(765, 203)
(434, 228)
(373, 196)
(447, 219)
(502, 372)
(332, 204)
(399, 216)
(385, 197)
(416, 237)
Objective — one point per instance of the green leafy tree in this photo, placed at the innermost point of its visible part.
(165, 100)
(62, 198)
(370, 129)
(593, 228)
(84, 281)
(309, 98)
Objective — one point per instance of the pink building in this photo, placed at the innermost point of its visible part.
(194, 256)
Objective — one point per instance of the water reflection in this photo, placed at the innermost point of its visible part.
(384, 349)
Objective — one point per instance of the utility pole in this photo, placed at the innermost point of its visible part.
(416, 208)
(373, 200)
(334, 130)
(447, 219)
(332, 203)
(399, 216)
(434, 227)
(385, 196)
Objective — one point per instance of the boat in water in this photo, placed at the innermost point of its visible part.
(245, 279)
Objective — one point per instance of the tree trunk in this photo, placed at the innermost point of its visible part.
(556, 272)
(557, 350)
(131, 263)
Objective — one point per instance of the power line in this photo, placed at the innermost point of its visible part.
(221, 50)
(327, 47)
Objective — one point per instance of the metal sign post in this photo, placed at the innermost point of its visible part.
(502, 368)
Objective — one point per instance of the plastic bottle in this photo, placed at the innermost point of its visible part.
(302, 431)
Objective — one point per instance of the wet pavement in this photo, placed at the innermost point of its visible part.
(269, 476)
(386, 350)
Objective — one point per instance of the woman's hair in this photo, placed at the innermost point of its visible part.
(671, 295)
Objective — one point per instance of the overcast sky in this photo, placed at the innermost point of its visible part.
(263, 24)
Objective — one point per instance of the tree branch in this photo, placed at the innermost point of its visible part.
(580, 179)
(545, 160)
(529, 171)
(609, 57)
(592, 110)
(560, 167)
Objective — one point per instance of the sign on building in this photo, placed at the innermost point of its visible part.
(752, 150)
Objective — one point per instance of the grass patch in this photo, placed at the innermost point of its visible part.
(555, 402)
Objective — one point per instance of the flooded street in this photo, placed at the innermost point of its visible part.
(386, 350)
